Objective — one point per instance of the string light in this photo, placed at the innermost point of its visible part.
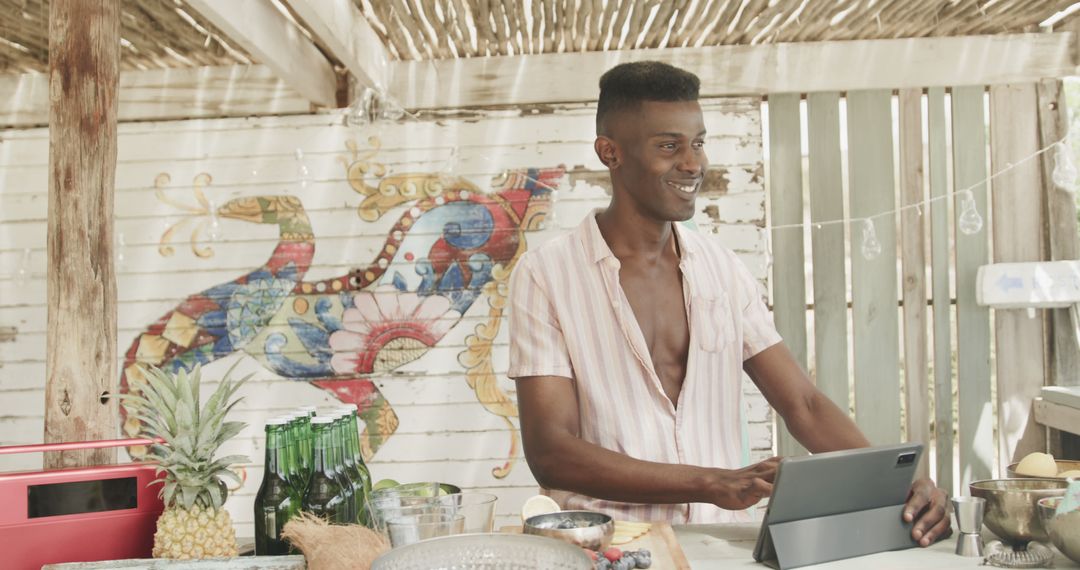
(302, 172)
(213, 229)
(22, 274)
(966, 197)
(970, 222)
(871, 247)
(121, 245)
(1064, 174)
(374, 105)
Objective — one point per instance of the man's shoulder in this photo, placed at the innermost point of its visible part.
(710, 246)
(557, 249)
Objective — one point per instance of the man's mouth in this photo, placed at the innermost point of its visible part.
(688, 187)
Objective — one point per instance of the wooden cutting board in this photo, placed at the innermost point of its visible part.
(660, 540)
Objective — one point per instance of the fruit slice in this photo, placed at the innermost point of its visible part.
(628, 531)
(538, 505)
(384, 484)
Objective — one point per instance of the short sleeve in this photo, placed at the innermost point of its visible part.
(537, 345)
(758, 330)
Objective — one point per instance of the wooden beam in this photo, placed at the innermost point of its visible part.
(342, 30)
(164, 94)
(913, 272)
(1017, 232)
(1057, 416)
(80, 359)
(743, 70)
(275, 42)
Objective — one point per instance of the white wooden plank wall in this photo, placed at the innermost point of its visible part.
(444, 433)
(872, 131)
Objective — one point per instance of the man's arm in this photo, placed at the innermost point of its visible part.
(821, 425)
(814, 420)
(560, 459)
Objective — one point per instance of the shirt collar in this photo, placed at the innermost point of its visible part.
(598, 250)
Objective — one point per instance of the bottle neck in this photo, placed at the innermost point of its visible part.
(354, 440)
(324, 450)
(276, 450)
(341, 445)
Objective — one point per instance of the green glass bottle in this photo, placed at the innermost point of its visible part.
(294, 435)
(358, 471)
(306, 442)
(324, 497)
(277, 501)
(347, 486)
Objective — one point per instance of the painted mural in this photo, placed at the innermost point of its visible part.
(452, 246)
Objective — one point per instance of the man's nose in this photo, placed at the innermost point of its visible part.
(692, 161)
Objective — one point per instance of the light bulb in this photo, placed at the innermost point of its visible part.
(120, 254)
(1064, 174)
(22, 274)
(360, 111)
(389, 109)
(871, 247)
(302, 172)
(970, 222)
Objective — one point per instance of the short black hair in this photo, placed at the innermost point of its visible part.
(626, 85)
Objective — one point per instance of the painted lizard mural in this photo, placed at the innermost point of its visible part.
(452, 246)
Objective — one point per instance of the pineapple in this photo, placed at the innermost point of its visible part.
(194, 525)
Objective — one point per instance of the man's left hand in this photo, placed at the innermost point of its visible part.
(927, 506)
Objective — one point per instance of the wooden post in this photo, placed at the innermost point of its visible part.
(1063, 243)
(80, 361)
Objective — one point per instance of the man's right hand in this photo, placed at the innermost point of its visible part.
(738, 489)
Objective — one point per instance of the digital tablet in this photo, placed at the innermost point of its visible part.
(838, 505)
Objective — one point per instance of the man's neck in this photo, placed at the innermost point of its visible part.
(632, 236)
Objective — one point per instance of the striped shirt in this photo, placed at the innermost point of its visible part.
(570, 318)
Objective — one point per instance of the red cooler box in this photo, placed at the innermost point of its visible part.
(77, 515)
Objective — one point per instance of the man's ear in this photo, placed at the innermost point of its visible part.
(607, 151)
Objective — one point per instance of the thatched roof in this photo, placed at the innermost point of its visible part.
(168, 33)
(431, 29)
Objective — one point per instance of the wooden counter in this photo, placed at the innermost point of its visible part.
(709, 547)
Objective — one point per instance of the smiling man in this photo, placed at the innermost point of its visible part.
(629, 337)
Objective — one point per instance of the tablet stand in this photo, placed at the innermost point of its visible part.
(834, 537)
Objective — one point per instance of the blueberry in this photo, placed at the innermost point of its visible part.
(603, 564)
(645, 552)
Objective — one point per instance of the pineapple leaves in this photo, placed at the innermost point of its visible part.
(215, 495)
(167, 406)
(230, 474)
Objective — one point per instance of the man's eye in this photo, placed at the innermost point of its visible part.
(668, 146)
(699, 145)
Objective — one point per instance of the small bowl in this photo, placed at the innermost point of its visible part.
(1010, 506)
(1064, 530)
(586, 529)
(1062, 466)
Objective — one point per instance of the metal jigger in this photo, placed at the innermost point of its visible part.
(969, 517)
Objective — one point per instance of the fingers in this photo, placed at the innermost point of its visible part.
(759, 489)
(766, 469)
(922, 492)
(940, 530)
(932, 522)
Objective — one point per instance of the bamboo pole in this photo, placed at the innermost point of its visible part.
(80, 361)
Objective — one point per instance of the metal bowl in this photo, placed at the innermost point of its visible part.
(1010, 506)
(1064, 530)
(1062, 465)
(586, 529)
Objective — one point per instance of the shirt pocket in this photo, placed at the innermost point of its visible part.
(712, 322)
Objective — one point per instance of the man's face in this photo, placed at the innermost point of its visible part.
(662, 157)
